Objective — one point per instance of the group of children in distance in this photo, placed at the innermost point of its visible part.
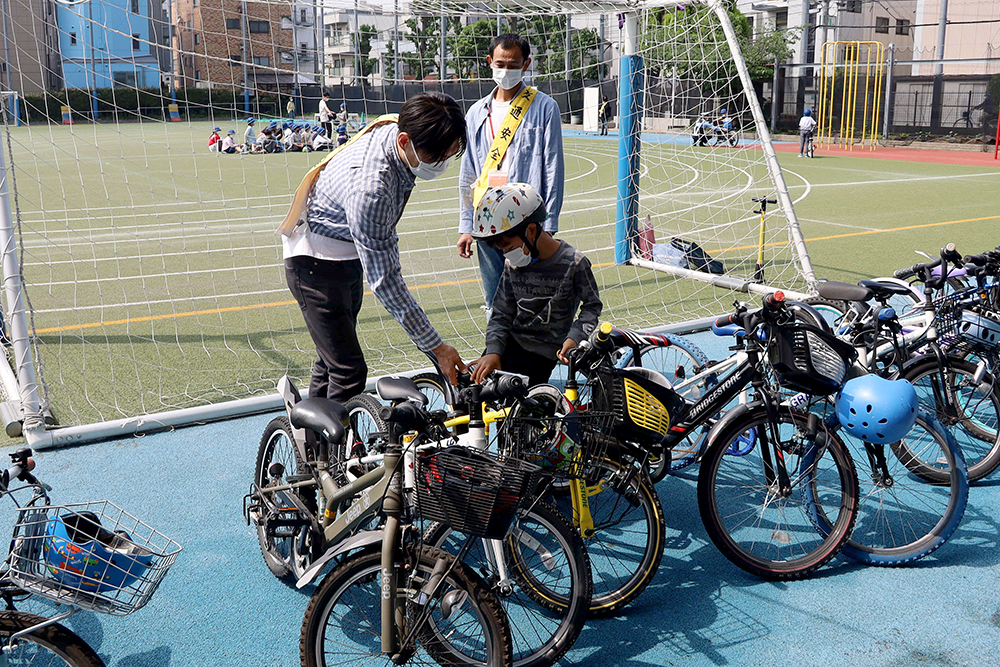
(277, 137)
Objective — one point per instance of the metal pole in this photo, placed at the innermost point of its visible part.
(93, 59)
(357, 46)
(887, 122)
(17, 321)
(499, 19)
(629, 145)
(774, 96)
(246, 54)
(569, 48)
(942, 28)
(173, 63)
(319, 57)
(784, 199)
(444, 45)
(396, 65)
(6, 43)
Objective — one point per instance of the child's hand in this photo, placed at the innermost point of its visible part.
(568, 345)
(485, 365)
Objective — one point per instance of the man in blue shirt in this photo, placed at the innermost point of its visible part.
(348, 234)
(535, 155)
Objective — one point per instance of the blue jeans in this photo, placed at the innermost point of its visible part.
(491, 263)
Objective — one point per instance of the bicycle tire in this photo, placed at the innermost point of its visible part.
(732, 138)
(430, 385)
(546, 616)
(364, 419)
(975, 422)
(286, 557)
(357, 582)
(680, 357)
(54, 640)
(621, 529)
(759, 536)
(832, 310)
(908, 518)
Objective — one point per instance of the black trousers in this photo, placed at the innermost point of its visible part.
(330, 295)
(515, 359)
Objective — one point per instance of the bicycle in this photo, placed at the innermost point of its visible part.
(810, 146)
(403, 596)
(90, 556)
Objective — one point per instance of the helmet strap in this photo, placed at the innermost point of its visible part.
(532, 247)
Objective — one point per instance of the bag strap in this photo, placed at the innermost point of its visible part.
(300, 202)
(502, 140)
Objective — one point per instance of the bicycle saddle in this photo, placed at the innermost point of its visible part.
(399, 389)
(326, 417)
(832, 289)
(884, 289)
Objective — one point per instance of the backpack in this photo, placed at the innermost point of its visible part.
(697, 258)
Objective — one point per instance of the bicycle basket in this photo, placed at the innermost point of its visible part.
(471, 491)
(559, 444)
(643, 401)
(807, 359)
(93, 555)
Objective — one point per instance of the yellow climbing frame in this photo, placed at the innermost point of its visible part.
(858, 65)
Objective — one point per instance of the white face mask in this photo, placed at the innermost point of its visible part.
(517, 258)
(507, 78)
(428, 171)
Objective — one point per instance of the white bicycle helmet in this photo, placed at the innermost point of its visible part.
(507, 209)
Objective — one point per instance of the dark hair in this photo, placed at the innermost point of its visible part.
(434, 121)
(326, 94)
(509, 41)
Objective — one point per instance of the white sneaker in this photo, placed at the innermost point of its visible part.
(799, 155)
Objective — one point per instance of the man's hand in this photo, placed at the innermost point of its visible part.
(465, 245)
(567, 345)
(449, 361)
(484, 366)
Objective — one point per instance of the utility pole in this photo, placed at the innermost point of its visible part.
(937, 92)
(569, 46)
(246, 53)
(357, 47)
(93, 60)
(170, 38)
(444, 46)
(320, 56)
(397, 66)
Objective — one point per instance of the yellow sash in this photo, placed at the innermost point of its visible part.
(501, 142)
(300, 202)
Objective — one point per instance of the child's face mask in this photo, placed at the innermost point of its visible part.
(518, 258)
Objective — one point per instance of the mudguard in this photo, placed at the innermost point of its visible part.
(358, 541)
(737, 413)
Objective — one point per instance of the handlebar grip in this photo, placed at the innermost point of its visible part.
(503, 386)
(774, 300)
(908, 272)
(727, 320)
(949, 253)
(979, 260)
(602, 333)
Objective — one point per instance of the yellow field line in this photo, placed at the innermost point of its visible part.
(451, 283)
(867, 232)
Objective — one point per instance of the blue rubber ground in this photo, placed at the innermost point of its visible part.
(220, 606)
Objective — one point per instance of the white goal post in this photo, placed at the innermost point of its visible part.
(144, 286)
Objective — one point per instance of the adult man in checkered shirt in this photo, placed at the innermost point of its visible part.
(350, 234)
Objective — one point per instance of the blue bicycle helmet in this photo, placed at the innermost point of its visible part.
(807, 112)
(876, 410)
(83, 555)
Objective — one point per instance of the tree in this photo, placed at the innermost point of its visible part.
(468, 47)
(425, 35)
(366, 34)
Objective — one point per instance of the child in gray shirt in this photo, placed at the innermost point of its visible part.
(544, 283)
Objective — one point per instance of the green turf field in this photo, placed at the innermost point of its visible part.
(155, 277)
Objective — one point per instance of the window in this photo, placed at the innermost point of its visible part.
(902, 27)
(882, 25)
(232, 24)
(302, 16)
(264, 61)
(235, 60)
(781, 19)
(136, 44)
(72, 39)
(135, 6)
(260, 26)
(124, 79)
(197, 74)
(852, 6)
(197, 39)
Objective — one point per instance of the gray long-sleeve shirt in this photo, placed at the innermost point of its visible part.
(536, 305)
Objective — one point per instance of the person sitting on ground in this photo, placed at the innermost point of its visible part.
(341, 135)
(229, 143)
(250, 136)
(322, 142)
(544, 281)
(293, 142)
(806, 126)
(214, 140)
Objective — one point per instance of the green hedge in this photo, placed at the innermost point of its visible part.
(122, 104)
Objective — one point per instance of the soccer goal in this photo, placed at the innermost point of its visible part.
(144, 282)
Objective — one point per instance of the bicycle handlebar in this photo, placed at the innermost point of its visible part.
(502, 386)
(405, 415)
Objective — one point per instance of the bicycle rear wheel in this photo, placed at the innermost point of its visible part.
(902, 517)
(50, 645)
(765, 532)
(342, 624)
(547, 561)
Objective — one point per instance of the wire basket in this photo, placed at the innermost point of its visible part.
(473, 492)
(560, 445)
(956, 323)
(95, 556)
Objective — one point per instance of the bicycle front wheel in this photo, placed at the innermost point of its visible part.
(548, 595)
(342, 624)
(902, 517)
(970, 408)
(762, 529)
(50, 645)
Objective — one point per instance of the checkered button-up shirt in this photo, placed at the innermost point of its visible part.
(359, 197)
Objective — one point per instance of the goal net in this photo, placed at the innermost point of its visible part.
(152, 276)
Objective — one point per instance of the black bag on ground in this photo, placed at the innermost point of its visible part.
(697, 258)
